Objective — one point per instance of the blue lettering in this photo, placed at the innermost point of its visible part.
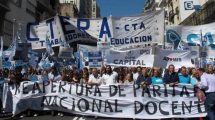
(142, 26)
(191, 38)
(135, 39)
(51, 27)
(134, 25)
(131, 40)
(103, 27)
(149, 38)
(64, 23)
(42, 43)
(126, 41)
(117, 41)
(112, 41)
(209, 37)
(52, 42)
(126, 29)
(28, 34)
(83, 28)
(56, 41)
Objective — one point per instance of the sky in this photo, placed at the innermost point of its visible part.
(120, 7)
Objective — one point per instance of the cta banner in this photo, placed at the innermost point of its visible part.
(178, 58)
(121, 31)
(115, 101)
(130, 58)
(202, 35)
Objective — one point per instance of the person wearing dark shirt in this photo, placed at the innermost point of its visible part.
(143, 78)
(171, 77)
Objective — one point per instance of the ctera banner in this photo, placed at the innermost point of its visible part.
(116, 101)
(202, 35)
(114, 31)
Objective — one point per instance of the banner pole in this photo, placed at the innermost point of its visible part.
(164, 44)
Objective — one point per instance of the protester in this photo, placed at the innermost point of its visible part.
(208, 84)
(143, 78)
(54, 75)
(75, 78)
(94, 78)
(110, 77)
(194, 77)
(156, 78)
(171, 77)
(210, 69)
(129, 79)
(137, 73)
(184, 77)
(121, 78)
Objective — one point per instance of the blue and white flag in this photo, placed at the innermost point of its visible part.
(10, 52)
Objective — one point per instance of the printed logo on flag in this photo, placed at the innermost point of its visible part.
(173, 37)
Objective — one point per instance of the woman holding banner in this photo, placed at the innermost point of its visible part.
(184, 78)
(156, 78)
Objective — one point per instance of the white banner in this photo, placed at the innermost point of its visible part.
(37, 33)
(124, 31)
(203, 35)
(130, 58)
(178, 58)
(116, 101)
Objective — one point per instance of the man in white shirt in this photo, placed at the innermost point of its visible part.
(54, 75)
(136, 75)
(94, 78)
(208, 84)
(110, 77)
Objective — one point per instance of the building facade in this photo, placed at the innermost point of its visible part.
(176, 11)
(68, 9)
(79, 8)
(206, 15)
(16, 14)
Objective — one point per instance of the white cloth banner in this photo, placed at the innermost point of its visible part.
(115, 31)
(129, 58)
(116, 101)
(203, 35)
(124, 31)
(37, 33)
(178, 58)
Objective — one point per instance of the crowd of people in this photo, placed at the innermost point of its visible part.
(108, 75)
(118, 75)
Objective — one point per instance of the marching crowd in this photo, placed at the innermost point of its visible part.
(108, 76)
(204, 79)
